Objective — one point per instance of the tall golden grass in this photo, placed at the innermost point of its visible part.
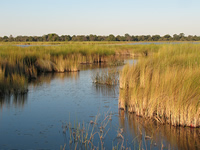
(60, 58)
(12, 83)
(23, 63)
(165, 86)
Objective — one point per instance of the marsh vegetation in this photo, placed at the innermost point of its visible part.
(162, 85)
(20, 64)
(162, 88)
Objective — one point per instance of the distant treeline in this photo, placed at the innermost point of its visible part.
(54, 37)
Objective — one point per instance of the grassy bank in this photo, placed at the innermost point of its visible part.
(164, 86)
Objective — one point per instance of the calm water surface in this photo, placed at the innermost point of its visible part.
(35, 121)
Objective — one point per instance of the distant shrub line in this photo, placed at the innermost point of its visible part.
(54, 37)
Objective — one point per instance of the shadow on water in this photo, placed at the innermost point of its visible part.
(149, 134)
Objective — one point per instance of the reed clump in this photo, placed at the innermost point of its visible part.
(87, 135)
(12, 84)
(164, 86)
(107, 77)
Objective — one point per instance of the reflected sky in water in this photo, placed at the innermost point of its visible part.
(35, 120)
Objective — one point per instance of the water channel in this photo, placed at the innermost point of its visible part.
(37, 120)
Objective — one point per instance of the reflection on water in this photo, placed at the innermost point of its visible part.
(54, 99)
(46, 78)
(16, 99)
(106, 90)
(150, 134)
(20, 99)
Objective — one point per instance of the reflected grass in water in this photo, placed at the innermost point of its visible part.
(46, 78)
(145, 134)
(105, 90)
(16, 99)
(153, 133)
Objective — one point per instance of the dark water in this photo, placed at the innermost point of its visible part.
(36, 120)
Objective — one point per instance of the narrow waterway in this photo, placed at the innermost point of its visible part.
(37, 120)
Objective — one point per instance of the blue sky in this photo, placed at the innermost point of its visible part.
(100, 17)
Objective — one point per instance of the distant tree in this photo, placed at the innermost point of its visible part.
(45, 38)
(18, 38)
(134, 38)
(195, 38)
(148, 38)
(5, 39)
(34, 39)
(141, 38)
(183, 39)
(190, 38)
(68, 38)
(120, 38)
(166, 37)
(181, 35)
(11, 39)
(128, 37)
(39, 38)
(81, 38)
(176, 37)
(101, 38)
(156, 37)
(111, 37)
(53, 37)
(62, 38)
(93, 37)
(74, 38)
(30, 38)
